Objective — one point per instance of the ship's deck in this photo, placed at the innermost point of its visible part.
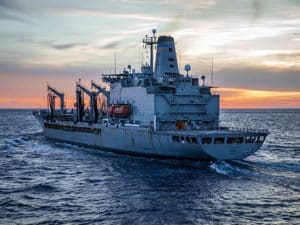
(220, 131)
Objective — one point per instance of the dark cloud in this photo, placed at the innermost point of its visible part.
(15, 18)
(10, 4)
(6, 16)
(51, 43)
(46, 71)
(250, 78)
(256, 78)
(66, 46)
(110, 45)
(9, 10)
(286, 56)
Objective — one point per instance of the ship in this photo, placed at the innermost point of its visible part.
(156, 112)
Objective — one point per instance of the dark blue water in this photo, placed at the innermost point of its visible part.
(43, 182)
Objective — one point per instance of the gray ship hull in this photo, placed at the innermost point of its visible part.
(145, 142)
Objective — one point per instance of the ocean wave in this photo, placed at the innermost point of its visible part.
(38, 188)
(42, 188)
(261, 172)
(11, 204)
(45, 182)
(3, 146)
(222, 167)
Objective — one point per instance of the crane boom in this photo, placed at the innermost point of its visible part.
(84, 89)
(93, 101)
(101, 90)
(59, 94)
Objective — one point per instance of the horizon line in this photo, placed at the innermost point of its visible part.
(220, 108)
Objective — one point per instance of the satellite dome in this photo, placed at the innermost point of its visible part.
(187, 67)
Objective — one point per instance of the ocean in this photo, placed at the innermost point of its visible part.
(46, 182)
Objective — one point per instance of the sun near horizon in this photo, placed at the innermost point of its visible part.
(254, 46)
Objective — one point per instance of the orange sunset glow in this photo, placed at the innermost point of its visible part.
(243, 98)
(232, 98)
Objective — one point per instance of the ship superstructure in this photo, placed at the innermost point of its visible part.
(156, 112)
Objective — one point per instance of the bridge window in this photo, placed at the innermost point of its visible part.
(219, 140)
(194, 140)
(230, 140)
(260, 139)
(250, 139)
(236, 140)
(188, 140)
(171, 59)
(239, 140)
(170, 49)
(175, 138)
(171, 66)
(206, 140)
(195, 81)
(183, 139)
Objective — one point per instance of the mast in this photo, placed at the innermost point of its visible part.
(212, 71)
(115, 62)
(151, 41)
(80, 104)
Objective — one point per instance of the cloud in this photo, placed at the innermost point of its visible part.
(6, 16)
(280, 58)
(51, 43)
(258, 78)
(287, 56)
(135, 16)
(66, 46)
(141, 2)
(110, 45)
(226, 30)
(16, 10)
(11, 10)
(11, 5)
(48, 71)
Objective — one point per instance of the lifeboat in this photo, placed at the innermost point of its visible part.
(118, 110)
(109, 109)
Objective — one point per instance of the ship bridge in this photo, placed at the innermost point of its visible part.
(163, 97)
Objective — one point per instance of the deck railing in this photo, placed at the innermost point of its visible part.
(248, 130)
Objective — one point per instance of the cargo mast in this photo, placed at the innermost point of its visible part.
(93, 101)
(101, 90)
(52, 91)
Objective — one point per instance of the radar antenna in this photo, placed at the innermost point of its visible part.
(115, 62)
(187, 68)
(203, 79)
(212, 71)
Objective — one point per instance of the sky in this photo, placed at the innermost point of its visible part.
(255, 46)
